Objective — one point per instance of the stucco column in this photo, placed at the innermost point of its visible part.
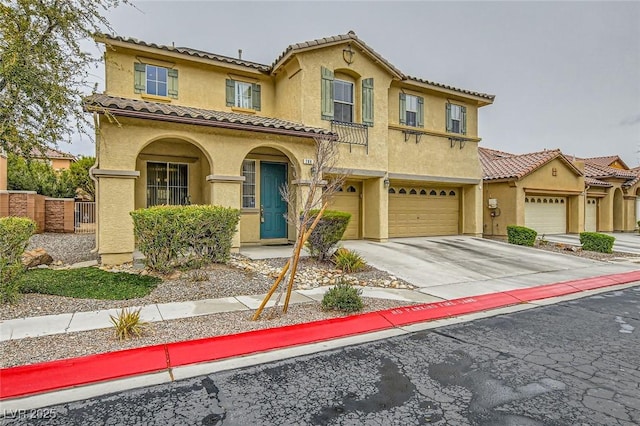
(472, 210)
(575, 210)
(605, 212)
(3, 171)
(115, 198)
(375, 210)
(629, 204)
(226, 192)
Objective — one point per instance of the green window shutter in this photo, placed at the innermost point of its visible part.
(367, 101)
(139, 77)
(172, 84)
(231, 92)
(255, 96)
(420, 112)
(326, 94)
(448, 117)
(403, 108)
(463, 120)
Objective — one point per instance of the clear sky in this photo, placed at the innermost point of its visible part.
(565, 74)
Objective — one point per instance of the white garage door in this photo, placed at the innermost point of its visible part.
(347, 199)
(590, 215)
(419, 211)
(546, 215)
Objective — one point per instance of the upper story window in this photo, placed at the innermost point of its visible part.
(411, 110)
(343, 101)
(337, 99)
(241, 94)
(456, 119)
(155, 80)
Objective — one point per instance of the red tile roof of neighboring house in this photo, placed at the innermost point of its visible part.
(291, 49)
(51, 153)
(599, 171)
(503, 165)
(164, 112)
(595, 182)
(606, 161)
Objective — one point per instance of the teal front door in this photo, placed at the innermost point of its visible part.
(273, 209)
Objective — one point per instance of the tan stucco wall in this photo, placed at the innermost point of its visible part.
(507, 212)
(3, 172)
(60, 163)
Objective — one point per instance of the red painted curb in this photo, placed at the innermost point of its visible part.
(47, 376)
(219, 347)
(65, 373)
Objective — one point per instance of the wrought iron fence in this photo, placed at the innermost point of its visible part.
(85, 217)
(351, 133)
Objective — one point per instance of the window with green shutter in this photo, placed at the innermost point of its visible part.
(456, 118)
(326, 94)
(367, 101)
(243, 95)
(139, 77)
(155, 80)
(411, 110)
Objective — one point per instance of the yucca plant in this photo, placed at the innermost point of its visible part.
(348, 260)
(128, 324)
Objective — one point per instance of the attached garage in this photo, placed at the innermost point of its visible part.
(419, 211)
(590, 215)
(546, 215)
(348, 199)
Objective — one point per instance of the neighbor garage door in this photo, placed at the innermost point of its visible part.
(546, 215)
(590, 215)
(347, 199)
(418, 211)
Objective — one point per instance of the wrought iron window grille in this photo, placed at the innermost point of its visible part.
(351, 133)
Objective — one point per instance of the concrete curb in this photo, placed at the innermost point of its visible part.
(33, 379)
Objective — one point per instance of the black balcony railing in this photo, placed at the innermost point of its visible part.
(351, 133)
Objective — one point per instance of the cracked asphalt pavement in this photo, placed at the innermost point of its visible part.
(572, 363)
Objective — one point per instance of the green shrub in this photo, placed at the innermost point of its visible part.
(14, 237)
(171, 236)
(594, 241)
(327, 233)
(348, 260)
(343, 297)
(521, 235)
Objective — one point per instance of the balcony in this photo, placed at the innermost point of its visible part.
(351, 133)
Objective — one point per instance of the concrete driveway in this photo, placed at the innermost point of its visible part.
(456, 266)
(625, 241)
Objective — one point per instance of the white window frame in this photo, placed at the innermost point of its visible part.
(456, 117)
(244, 95)
(411, 105)
(249, 184)
(342, 101)
(155, 82)
(169, 187)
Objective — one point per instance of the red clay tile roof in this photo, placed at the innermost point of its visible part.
(595, 182)
(191, 52)
(606, 161)
(51, 153)
(350, 36)
(596, 170)
(502, 165)
(189, 115)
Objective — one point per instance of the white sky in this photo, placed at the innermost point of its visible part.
(565, 74)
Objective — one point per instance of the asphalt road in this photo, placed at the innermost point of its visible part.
(573, 363)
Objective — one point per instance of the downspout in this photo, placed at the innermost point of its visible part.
(96, 165)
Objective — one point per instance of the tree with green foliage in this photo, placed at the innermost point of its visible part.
(44, 70)
(35, 175)
(78, 176)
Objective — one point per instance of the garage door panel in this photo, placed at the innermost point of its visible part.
(348, 200)
(416, 213)
(546, 215)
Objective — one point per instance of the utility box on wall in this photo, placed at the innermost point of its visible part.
(493, 203)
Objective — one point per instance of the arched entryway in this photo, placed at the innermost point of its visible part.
(173, 171)
(618, 214)
(266, 171)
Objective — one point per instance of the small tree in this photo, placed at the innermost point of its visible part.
(318, 196)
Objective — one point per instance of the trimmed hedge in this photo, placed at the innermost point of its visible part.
(327, 232)
(173, 236)
(14, 238)
(521, 235)
(594, 241)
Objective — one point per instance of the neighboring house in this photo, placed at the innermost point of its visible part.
(613, 191)
(204, 128)
(58, 160)
(552, 193)
(540, 190)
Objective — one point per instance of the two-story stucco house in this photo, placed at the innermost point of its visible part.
(179, 125)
